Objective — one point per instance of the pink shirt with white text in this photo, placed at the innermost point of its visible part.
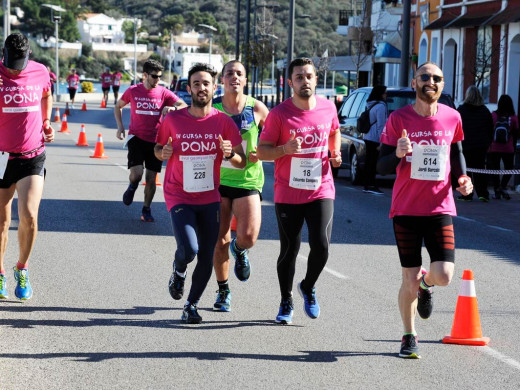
(146, 107)
(306, 176)
(20, 109)
(423, 197)
(193, 172)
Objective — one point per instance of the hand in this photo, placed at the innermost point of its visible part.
(167, 109)
(120, 134)
(293, 145)
(252, 156)
(465, 185)
(167, 150)
(48, 132)
(225, 146)
(404, 146)
(1, 81)
(335, 159)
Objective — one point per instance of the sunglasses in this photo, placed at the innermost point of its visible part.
(155, 76)
(426, 77)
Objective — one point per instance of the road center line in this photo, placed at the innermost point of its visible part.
(503, 358)
(327, 269)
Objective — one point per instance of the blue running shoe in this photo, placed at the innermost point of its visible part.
(128, 196)
(285, 313)
(3, 287)
(242, 266)
(23, 288)
(310, 304)
(223, 302)
(190, 315)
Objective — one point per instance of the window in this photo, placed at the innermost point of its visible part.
(483, 58)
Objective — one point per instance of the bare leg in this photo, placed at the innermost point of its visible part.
(150, 187)
(221, 255)
(408, 297)
(6, 200)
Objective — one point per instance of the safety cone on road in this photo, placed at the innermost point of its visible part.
(103, 103)
(233, 224)
(67, 111)
(84, 106)
(82, 139)
(466, 328)
(157, 181)
(64, 125)
(57, 115)
(99, 152)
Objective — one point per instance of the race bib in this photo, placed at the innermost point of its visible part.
(227, 164)
(305, 173)
(429, 162)
(4, 158)
(197, 173)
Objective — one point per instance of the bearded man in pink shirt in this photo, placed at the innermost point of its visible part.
(148, 103)
(25, 111)
(422, 143)
(298, 134)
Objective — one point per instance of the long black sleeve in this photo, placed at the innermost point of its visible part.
(458, 162)
(387, 161)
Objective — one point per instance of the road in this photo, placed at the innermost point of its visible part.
(101, 316)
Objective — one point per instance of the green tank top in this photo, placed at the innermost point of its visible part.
(252, 176)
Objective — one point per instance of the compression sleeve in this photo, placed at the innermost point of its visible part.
(387, 161)
(458, 162)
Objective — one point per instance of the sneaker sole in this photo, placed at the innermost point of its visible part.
(283, 322)
(191, 321)
(305, 311)
(4, 296)
(411, 356)
(222, 309)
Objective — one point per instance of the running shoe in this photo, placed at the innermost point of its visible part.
(285, 313)
(424, 303)
(310, 304)
(223, 302)
(23, 288)
(505, 194)
(242, 266)
(463, 198)
(146, 215)
(373, 190)
(409, 348)
(128, 196)
(3, 287)
(498, 194)
(176, 285)
(190, 314)
(484, 199)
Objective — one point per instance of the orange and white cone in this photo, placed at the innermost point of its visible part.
(99, 152)
(103, 103)
(64, 125)
(82, 139)
(57, 115)
(233, 224)
(466, 328)
(84, 106)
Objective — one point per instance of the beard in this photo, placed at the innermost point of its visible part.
(305, 93)
(428, 97)
(201, 101)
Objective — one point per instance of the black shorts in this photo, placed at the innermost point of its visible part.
(437, 233)
(18, 168)
(235, 193)
(72, 93)
(105, 89)
(141, 153)
(115, 88)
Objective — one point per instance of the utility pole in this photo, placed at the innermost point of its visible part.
(405, 48)
(7, 23)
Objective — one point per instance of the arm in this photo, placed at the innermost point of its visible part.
(176, 106)
(267, 150)
(458, 169)
(335, 149)
(46, 108)
(235, 155)
(387, 161)
(260, 112)
(119, 118)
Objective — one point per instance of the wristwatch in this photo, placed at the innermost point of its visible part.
(230, 156)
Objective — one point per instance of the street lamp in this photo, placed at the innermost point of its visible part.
(274, 37)
(212, 29)
(56, 17)
(7, 22)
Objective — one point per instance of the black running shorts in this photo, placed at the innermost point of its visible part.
(235, 193)
(141, 153)
(18, 168)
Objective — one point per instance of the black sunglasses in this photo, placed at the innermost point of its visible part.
(155, 76)
(426, 77)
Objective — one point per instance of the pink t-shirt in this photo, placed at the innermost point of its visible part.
(304, 177)
(106, 79)
(429, 195)
(193, 172)
(116, 79)
(73, 81)
(20, 109)
(146, 107)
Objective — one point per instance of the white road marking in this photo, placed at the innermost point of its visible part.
(503, 358)
(327, 269)
(491, 226)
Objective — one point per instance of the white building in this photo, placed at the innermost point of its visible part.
(100, 28)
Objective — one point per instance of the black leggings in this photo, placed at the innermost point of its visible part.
(494, 163)
(318, 216)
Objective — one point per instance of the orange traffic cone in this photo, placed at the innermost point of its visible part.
(64, 125)
(157, 181)
(67, 111)
(84, 106)
(99, 152)
(103, 103)
(57, 115)
(466, 328)
(233, 224)
(82, 139)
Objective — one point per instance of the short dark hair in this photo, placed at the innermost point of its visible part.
(300, 62)
(17, 44)
(232, 62)
(505, 106)
(377, 93)
(151, 65)
(202, 67)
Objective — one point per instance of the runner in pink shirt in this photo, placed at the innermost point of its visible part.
(194, 141)
(422, 142)
(73, 84)
(106, 81)
(148, 102)
(116, 83)
(298, 134)
(25, 109)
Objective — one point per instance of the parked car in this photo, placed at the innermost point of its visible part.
(181, 90)
(352, 145)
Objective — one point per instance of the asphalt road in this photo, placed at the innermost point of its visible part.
(101, 315)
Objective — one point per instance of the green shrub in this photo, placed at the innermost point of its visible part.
(87, 87)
